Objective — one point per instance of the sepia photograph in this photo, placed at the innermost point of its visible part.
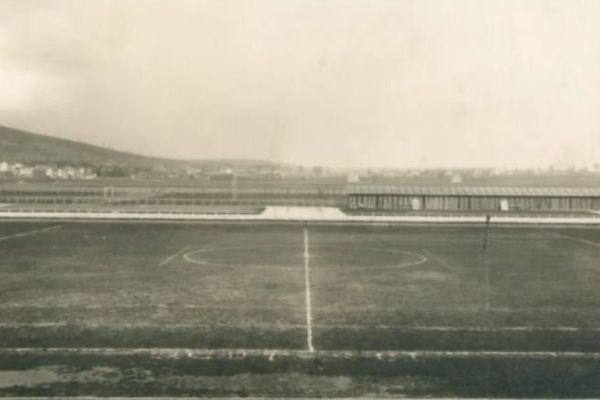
(324, 199)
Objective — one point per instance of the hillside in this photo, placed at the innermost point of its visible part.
(22, 146)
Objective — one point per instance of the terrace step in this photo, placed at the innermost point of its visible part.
(304, 213)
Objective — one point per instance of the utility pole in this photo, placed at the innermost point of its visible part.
(487, 289)
(488, 218)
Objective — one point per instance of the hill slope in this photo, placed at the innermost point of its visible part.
(22, 146)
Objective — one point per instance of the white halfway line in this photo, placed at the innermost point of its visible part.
(29, 233)
(171, 257)
(309, 339)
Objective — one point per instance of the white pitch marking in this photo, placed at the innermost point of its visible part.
(190, 256)
(163, 352)
(438, 260)
(134, 307)
(309, 339)
(420, 260)
(474, 328)
(267, 326)
(172, 257)
(541, 310)
(29, 233)
(580, 240)
(254, 325)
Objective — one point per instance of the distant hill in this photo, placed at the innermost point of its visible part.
(27, 147)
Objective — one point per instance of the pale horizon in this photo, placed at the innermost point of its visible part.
(344, 84)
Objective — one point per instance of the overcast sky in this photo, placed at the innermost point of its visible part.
(340, 83)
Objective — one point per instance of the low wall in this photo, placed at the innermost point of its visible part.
(299, 214)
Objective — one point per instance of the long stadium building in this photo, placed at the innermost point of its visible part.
(385, 197)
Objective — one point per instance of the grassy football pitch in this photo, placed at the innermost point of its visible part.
(268, 309)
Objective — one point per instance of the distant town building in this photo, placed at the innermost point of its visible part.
(25, 172)
(456, 179)
(353, 179)
(39, 172)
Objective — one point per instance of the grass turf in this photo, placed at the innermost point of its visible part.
(242, 286)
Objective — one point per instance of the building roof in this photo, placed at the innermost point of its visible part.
(476, 191)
